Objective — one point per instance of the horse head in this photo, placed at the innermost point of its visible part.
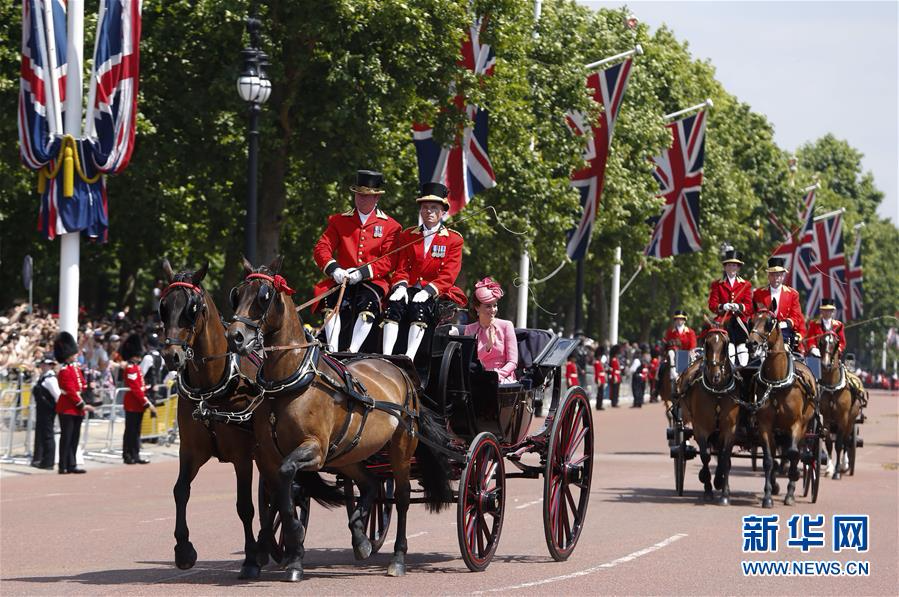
(716, 364)
(764, 328)
(829, 346)
(184, 308)
(261, 303)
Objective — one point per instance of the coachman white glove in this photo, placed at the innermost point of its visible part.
(420, 296)
(816, 352)
(354, 276)
(399, 294)
(339, 275)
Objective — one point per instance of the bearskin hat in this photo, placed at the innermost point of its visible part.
(131, 347)
(64, 346)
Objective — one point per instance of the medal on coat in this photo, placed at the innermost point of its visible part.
(379, 231)
(438, 251)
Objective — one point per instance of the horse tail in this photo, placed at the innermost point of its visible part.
(313, 485)
(434, 465)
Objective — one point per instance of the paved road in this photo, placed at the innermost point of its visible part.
(110, 531)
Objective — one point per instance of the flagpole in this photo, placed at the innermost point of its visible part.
(70, 243)
(829, 214)
(616, 294)
(638, 50)
(524, 263)
(706, 104)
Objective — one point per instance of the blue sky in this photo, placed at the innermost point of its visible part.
(811, 67)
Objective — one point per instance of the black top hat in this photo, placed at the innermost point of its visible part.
(776, 264)
(434, 191)
(733, 256)
(828, 303)
(131, 347)
(368, 182)
(64, 346)
(680, 313)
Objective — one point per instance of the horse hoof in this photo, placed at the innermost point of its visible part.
(723, 501)
(293, 575)
(837, 476)
(767, 503)
(775, 489)
(396, 569)
(789, 500)
(249, 572)
(262, 559)
(185, 556)
(362, 550)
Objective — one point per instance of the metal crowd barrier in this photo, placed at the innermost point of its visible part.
(163, 428)
(16, 424)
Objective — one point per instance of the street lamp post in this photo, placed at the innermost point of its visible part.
(254, 88)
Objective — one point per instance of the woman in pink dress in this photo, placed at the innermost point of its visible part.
(497, 347)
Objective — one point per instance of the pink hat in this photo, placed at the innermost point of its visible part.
(488, 291)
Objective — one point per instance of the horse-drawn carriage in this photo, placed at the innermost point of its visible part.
(732, 412)
(375, 421)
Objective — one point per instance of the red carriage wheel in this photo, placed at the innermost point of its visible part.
(481, 503)
(378, 522)
(568, 473)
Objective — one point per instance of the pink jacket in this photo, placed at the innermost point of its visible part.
(503, 357)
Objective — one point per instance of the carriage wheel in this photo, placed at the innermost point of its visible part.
(276, 547)
(853, 443)
(481, 503)
(811, 473)
(679, 452)
(568, 473)
(755, 456)
(380, 514)
(446, 369)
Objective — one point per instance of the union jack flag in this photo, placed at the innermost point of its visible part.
(855, 303)
(679, 174)
(42, 84)
(827, 271)
(112, 109)
(463, 167)
(607, 87)
(796, 248)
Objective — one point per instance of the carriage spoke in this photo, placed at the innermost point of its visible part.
(573, 447)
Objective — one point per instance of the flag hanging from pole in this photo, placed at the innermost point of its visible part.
(463, 167)
(679, 174)
(607, 89)
(71, 171)
(855, 299)
(827, 270)
(796, 248)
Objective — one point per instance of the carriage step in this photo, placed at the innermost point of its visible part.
(689, 451)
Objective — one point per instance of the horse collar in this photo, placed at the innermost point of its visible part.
(223, 387)
(839, 385)
(296, 382)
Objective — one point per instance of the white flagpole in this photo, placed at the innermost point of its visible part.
(706, 104)
(70, 243)
(616, 294)
(524, 263)
(638, 50)
(815, 186)
(829, 214)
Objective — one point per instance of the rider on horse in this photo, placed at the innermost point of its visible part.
(677, 337)
(785, 300)
(353, 248)
(426, 268)
(730, 299)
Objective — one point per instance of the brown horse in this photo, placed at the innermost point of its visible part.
(214, 397)
(714, 410)
(783, 393)
(319, 414)
(839, 409)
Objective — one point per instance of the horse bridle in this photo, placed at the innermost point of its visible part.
(194, 296)
(275, 285)
(707, 358)
(767, 336)
(836, 342)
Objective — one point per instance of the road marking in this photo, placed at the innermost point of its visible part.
(414, 535)
(526, 504)
(622, 560)
(156, 519)
(192, 571)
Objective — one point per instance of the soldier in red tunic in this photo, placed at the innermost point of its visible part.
(826, 323)
(730, 300)
(136, 401)
(354, 248)
(70, 406)
(785, 300)
(677, 337)
(426, 268)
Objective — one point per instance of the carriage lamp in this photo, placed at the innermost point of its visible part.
(254, 87)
